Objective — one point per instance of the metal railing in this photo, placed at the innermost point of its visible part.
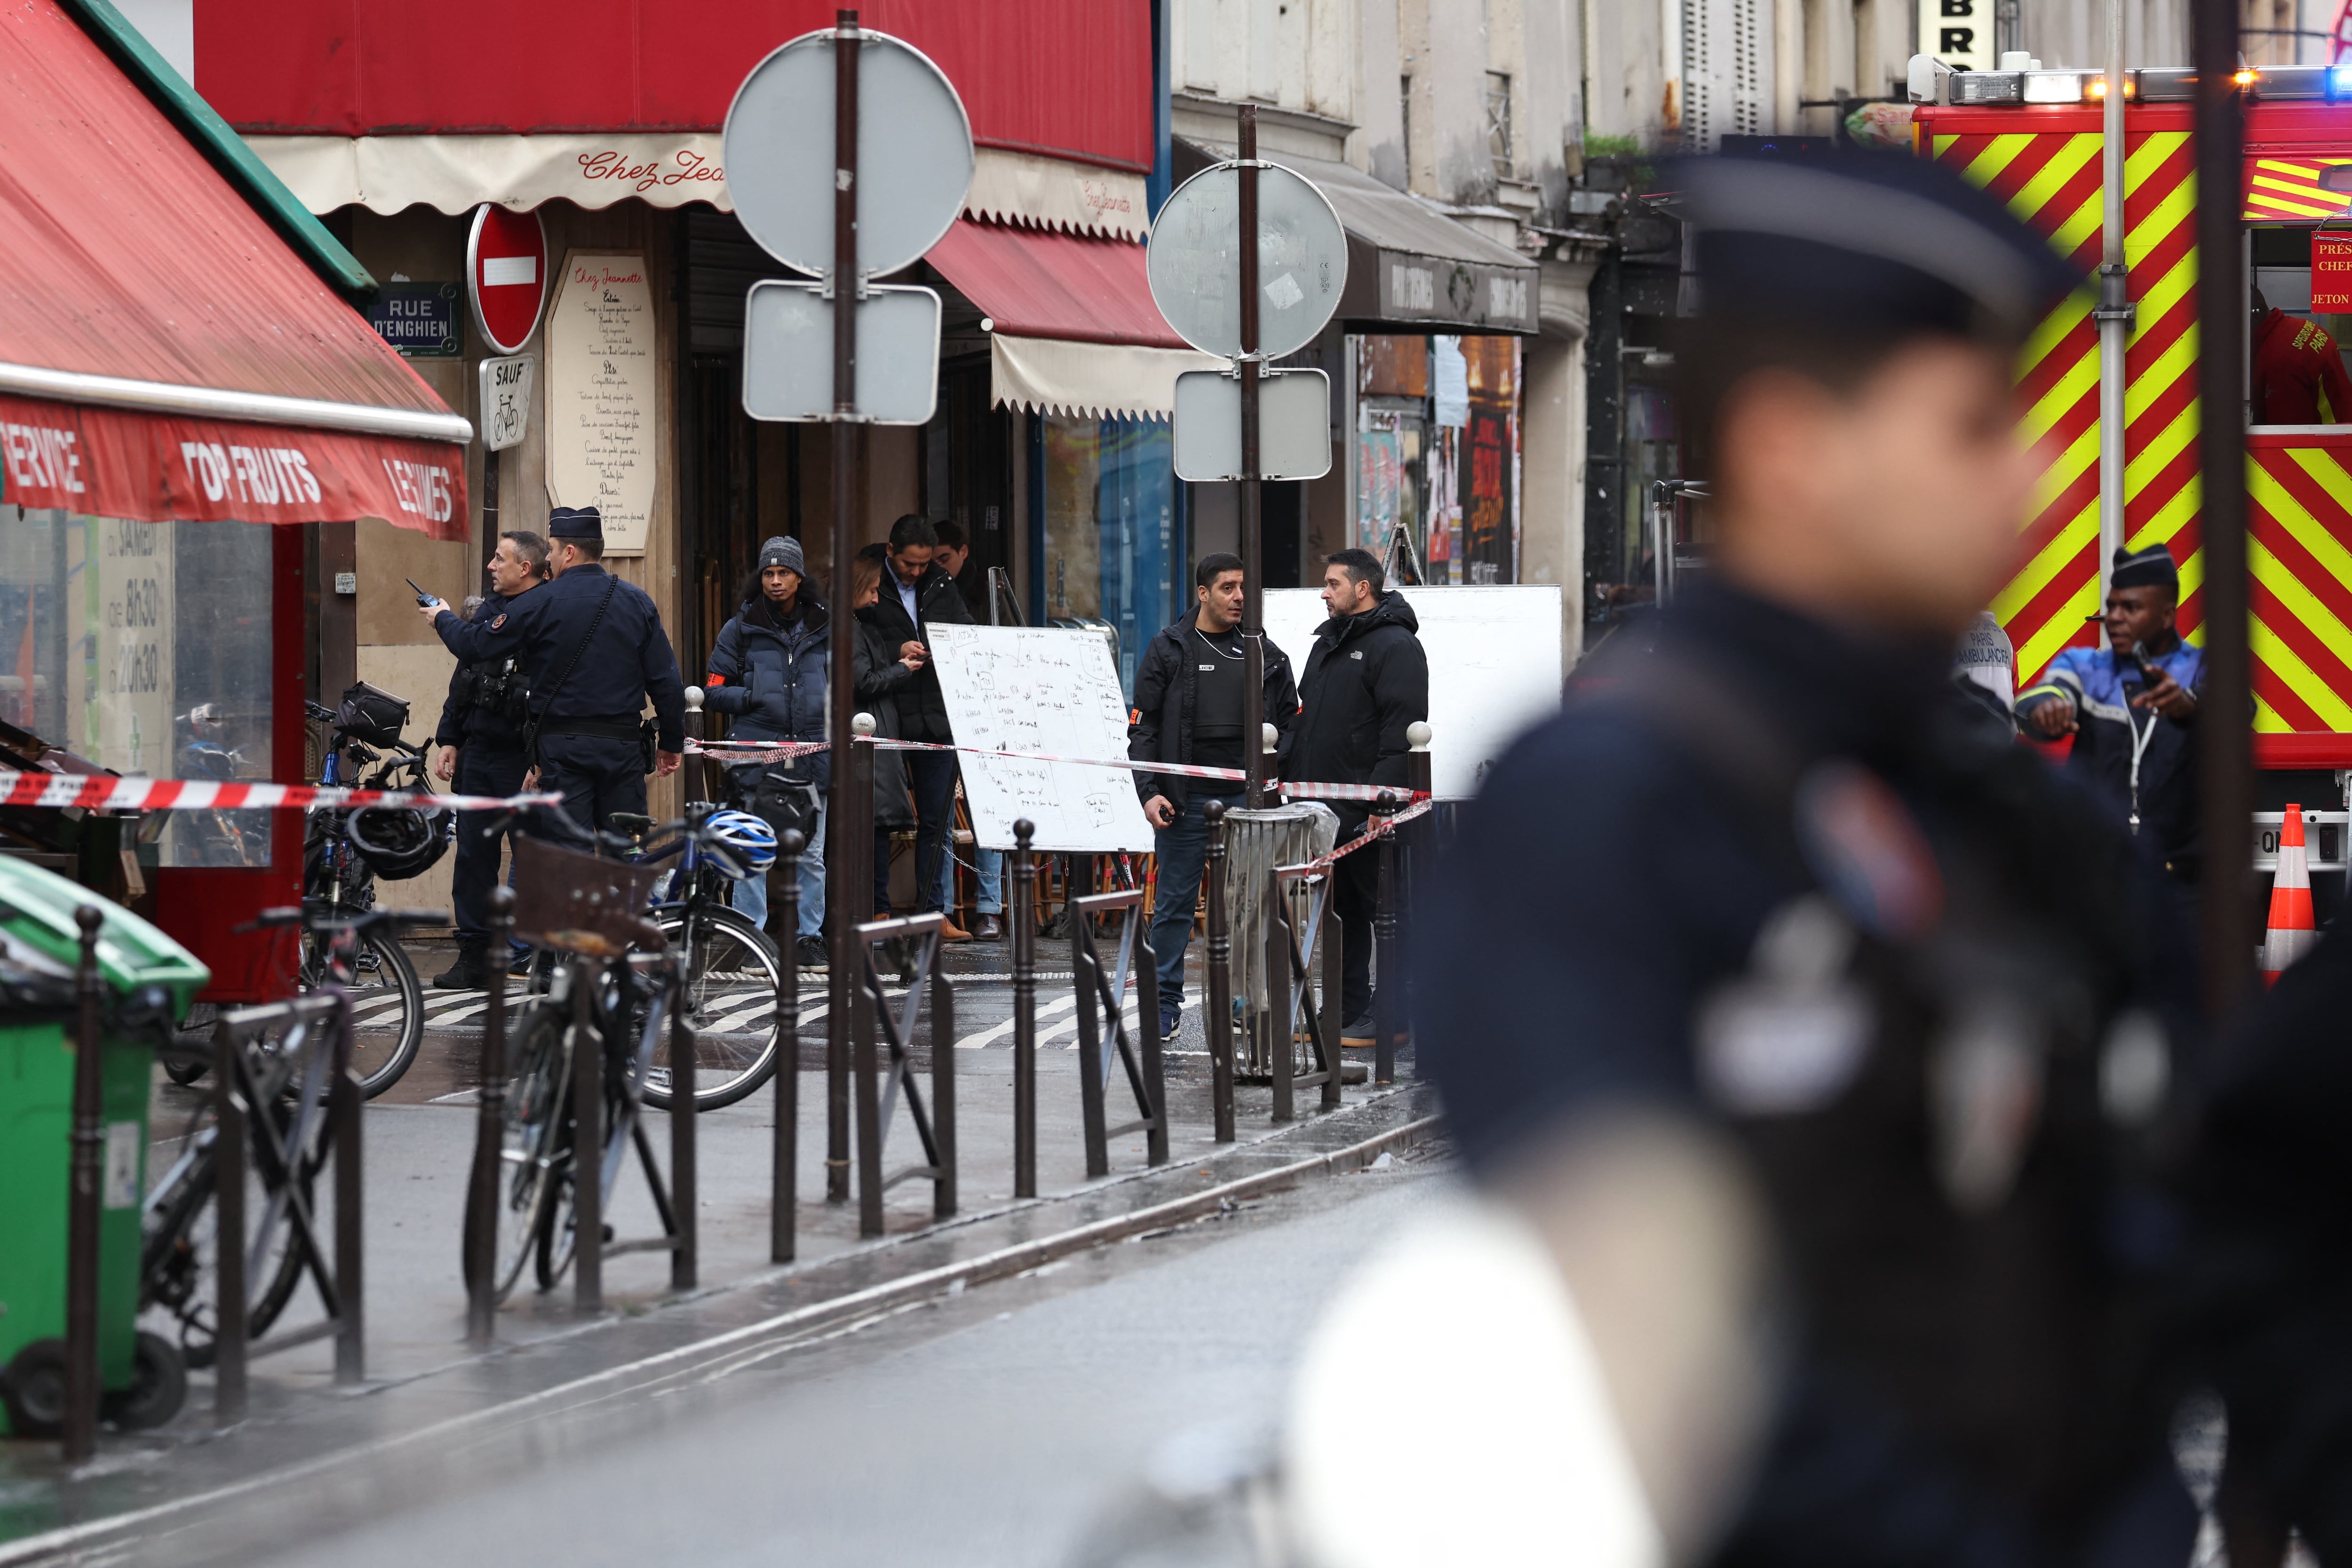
(877, 1106)
(1287, 949)
(1100, 1040)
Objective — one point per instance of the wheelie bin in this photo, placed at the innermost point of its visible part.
(41, 944)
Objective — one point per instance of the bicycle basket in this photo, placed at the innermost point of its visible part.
(371, 715)
(579, 903)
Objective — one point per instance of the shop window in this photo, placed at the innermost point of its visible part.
(145, 647)
(1498, 122)
(1110, 530)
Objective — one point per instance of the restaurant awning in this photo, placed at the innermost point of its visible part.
(1073, 328)
(163, 353)
(1409, 265)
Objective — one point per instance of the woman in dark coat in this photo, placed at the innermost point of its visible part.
(885, 668)
(768, 672)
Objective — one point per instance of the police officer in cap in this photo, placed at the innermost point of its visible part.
(1832, 1071)
(2132, 707)
(480, 735)
(596, 651)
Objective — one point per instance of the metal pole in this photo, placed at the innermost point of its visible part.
(848, 862)
(82, 1202)
(489, 1136)
(1335, 988)
(697, 727)
(2225, 722)
(1217, 979)
(490, 466)
(2115, 309)
(1024, 1011)
(1147, 1017)
(1083, 968)
(1251, 542)
(344, 1102)
(783, 1193)
(1385, 958)
(587, 1145)
(869, 1101)
(855, 827)
(1280, 1033)
(943, 1190)
(683, 1253)
(229, 1316)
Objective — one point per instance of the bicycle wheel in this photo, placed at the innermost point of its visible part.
(551, 1242)
(732, 974)
(180, 1245)
(535, 1147)
(387, 1007)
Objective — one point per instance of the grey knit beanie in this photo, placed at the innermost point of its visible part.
(785, 553)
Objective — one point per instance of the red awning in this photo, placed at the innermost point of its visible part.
(1064, 285)
(163, 353)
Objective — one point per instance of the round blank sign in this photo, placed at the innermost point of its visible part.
(1194, 261)
(914, 153)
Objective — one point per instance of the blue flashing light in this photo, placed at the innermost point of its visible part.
(2340, 81)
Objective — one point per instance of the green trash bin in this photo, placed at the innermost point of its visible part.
(41, 944)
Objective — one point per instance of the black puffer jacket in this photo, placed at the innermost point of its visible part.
(1161, 729)
(1366, 678)
(921, 714)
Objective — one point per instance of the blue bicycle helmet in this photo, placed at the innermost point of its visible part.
(748, 842)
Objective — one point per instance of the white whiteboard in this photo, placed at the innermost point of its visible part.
(1045, 691)
(1494, 667)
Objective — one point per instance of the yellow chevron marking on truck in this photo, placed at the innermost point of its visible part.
(2266, 718)
(2300, 602)
(2151, 154)
(2169, 293)
(2168, 443)
(2046, 563)
(1998, 154)
(2071, 312)
(2043, 646)
(2080, 379)
(2281, 662)
(2157, 225)
(2171, 518)
(2156, 380)
(2052, 482)
(2064, 164)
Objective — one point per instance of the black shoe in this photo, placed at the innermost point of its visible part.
(1363, 1032)
(987, 927)
(811, 954)
(470, 973)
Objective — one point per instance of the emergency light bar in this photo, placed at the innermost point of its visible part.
(1932, 81)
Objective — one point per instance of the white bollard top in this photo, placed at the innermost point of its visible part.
(861, 725)
(693, 699)
(1270, 738)
(1417, 734)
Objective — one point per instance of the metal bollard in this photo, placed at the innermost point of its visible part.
(1217, 965)
(690, 781)
(783, 1193)
(344, 1102)
(229, 1316)
(1335, 981)
(1387, 1001)
(1024, 1011)
(1280, 1041)
(852, 848)
(81, 1382)
(489, 1136)
(943, 1053)
(869, 1101)
(587, 1147)
(683, 1250)
(1146, 1015)
(1084, 970)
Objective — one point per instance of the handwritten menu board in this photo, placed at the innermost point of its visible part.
(600, 418)
(1050, 691)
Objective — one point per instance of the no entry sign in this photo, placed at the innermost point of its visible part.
(506, 275)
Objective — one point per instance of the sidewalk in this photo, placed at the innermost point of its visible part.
(422, 1376)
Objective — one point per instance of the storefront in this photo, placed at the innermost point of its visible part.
(179, 386)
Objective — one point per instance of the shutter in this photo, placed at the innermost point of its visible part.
(721, 264)
(1726, 71)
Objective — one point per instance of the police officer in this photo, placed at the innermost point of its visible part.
(2132, 707)
(480, 738)
(1793, 1014)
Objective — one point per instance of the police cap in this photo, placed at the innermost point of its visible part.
(2151, 568)
(574, 522)
(1864, 244)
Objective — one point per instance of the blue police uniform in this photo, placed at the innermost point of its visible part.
(585, 709)
(1768, 879)
(490, 752)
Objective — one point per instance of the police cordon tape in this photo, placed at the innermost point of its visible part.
(770, 751)
(105, 792)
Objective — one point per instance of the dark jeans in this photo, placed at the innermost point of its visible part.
(933, 776)
(480, 770)
(597, 776)
(1182, 851)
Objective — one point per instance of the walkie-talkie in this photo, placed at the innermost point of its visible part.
(423, 598)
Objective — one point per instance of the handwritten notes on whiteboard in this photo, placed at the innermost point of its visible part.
(1044, 692)
(600, 418)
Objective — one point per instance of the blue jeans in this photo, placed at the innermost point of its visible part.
(1182, 848)
(751, 895)
(989, 865)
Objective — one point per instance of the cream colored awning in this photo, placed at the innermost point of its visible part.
(1101, 381)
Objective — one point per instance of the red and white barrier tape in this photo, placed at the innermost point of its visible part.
(1372, 835)
(104, 792)
(769, 752)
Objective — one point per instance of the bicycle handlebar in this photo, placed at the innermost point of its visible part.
(314, 916)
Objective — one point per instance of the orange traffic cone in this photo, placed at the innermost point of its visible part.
(2290, 933)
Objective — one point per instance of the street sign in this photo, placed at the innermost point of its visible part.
(1194, 260)
(1293, 426)
(505, 275)
(506, 401)
(914, 153)
(788, 353)
(420, 320)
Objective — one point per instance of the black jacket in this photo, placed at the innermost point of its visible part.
(921, 714)
(1160, 728)
(1366, 679)
(772, 682)
(882, 679)
(462, 718)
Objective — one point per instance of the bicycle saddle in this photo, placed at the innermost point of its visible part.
(630, 821)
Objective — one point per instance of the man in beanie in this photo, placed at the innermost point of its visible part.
(2132, 707)
(767, 673)
(1796, 1079)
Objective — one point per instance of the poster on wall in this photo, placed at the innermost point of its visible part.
(129, 613)
(601, 414)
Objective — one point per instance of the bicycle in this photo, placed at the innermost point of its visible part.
(281, 1078)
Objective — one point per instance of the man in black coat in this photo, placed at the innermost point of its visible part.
(1366, 680)
(1188, 709)
(915, 595)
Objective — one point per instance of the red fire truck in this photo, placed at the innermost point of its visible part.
(2034, 138)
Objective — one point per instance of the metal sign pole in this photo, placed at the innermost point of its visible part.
(848, 858)
(1251, 542)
